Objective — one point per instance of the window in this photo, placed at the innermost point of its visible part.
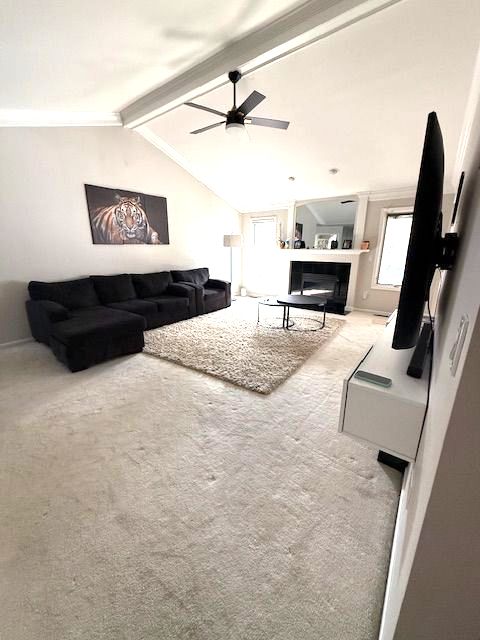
(264, 233)
(395, 234)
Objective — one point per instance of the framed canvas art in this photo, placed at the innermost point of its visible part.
(126, 217)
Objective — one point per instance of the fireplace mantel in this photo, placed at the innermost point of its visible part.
(351, 256)
(326, 255)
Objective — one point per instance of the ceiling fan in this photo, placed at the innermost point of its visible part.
(238, 117)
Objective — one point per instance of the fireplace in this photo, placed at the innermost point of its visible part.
(328, 279)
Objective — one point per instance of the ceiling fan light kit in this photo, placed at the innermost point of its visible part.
(236, 130)
(237, 117)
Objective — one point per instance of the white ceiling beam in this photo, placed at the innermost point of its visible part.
(308, 23)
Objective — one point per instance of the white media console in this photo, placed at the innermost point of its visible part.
(390, 419)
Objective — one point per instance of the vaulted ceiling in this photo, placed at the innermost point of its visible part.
(99, 55)
(357, 100)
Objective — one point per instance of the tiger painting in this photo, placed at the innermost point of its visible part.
(123, 223)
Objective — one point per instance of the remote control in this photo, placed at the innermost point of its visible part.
(373, 378)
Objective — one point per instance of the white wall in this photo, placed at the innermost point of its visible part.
(44, 221)
(436, 593)
(442, 595)
(367, 297)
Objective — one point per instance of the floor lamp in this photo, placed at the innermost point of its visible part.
(231, 241)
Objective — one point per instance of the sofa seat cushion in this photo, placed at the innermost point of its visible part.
(167, 303)
(99, 323)
(148, 285)
(114, 288)
(100, 311)
(195, 276)
(72, 294)
(169, 309)
(213, 294)
(142, 307)
(214, 299)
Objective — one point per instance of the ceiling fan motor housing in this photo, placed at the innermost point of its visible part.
(235, 116)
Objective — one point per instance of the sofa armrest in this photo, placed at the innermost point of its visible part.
(198, 292)
(183, 290)
(42, 314)
(221, 284)
(217, 284)
(178, 289)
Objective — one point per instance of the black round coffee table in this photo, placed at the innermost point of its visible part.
(272, 302)
(313, 303)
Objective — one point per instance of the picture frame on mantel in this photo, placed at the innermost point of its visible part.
(125, 217)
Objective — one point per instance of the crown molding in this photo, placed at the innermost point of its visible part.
(38, 118)
(299, 27)
(398, 194)
(389, 194)
(169, 151)
(279, 207)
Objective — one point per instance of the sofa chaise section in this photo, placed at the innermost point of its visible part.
(69, 317)
(94, 335)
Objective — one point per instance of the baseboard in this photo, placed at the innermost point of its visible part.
(12, 343)
(375, 311)
(391, 606)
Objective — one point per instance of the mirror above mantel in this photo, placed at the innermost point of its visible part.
(325, 224)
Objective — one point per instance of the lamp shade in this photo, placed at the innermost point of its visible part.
(232, 240)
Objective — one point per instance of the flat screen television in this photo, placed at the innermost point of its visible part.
(425, 239)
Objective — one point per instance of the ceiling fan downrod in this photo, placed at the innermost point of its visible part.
(234, 77)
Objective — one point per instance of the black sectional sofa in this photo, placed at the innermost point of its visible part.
(90, 320)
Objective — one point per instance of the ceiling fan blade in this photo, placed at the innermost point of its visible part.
(268, 122)
(200, 106)
(210, 126)
(253, 100)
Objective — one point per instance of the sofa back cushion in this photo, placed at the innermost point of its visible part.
(72, 294)
(149, 285)
(114, 288)
(197, 276)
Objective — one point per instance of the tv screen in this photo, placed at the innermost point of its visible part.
(424, 239)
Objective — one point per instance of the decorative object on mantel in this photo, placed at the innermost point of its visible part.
(365, 245)
(299, 243)
(126, 217)
(334, 244)
(347, 244)
(235, 349)
(321, 243)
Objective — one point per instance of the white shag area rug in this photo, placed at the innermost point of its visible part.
(237, 349)
(146, 501)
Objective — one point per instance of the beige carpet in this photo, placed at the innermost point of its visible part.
(237, 349)
(141, 500)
